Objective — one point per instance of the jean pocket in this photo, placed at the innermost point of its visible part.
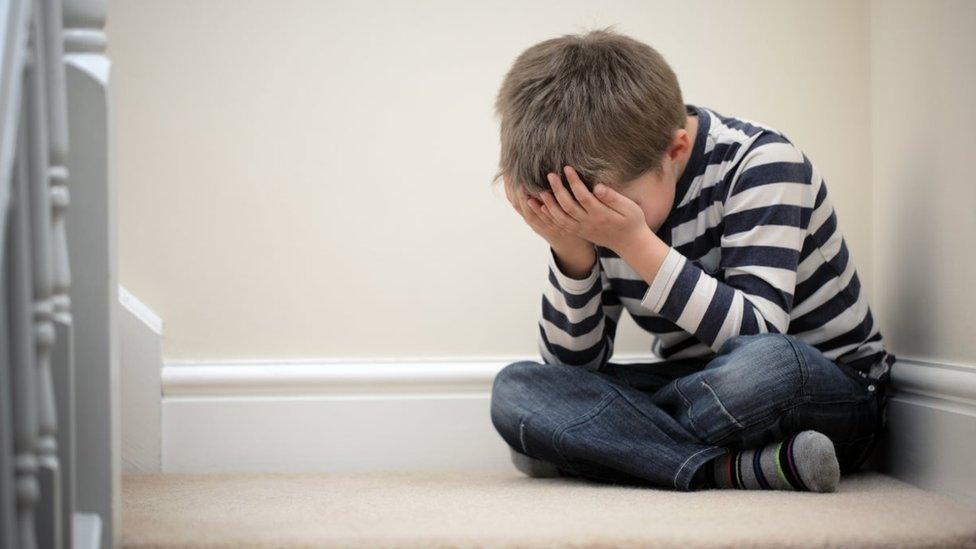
(830, 382)
(867, 385)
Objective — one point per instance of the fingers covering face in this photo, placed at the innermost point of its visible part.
(531, 209)
(586, 199)
(565, 198)
(565, 205)
(536, 207)
(556, 212)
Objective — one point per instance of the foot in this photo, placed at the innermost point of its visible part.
(816, 461)
(805, 461)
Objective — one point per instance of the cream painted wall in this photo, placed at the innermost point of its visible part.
(923, 86)
(310, 178)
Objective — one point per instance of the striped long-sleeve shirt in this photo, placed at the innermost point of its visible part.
(754, 248)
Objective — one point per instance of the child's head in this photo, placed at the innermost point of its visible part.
(604, 103)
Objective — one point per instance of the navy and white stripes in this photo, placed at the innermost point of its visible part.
(754, 248)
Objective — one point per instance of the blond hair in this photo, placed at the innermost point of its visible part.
(602, 102)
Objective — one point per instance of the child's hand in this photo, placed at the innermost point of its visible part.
(606, 218)
(530, 208)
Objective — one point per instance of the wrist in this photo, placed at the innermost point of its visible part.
(577, 251)
(636, 243)
(573, 246)
(574, 261)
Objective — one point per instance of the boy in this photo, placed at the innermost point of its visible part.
(717, 236)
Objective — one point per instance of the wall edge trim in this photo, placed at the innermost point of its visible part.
(935, 380)
(140, 310)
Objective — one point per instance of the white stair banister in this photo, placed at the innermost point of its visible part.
(42, 501)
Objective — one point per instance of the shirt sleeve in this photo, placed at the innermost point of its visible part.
(579, 318)
(766, 212)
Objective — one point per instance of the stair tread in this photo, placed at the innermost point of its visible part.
(497, 508)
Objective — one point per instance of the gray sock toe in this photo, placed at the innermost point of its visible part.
(816, 461)
(532, 467)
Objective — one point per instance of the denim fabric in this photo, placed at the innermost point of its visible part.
(658, 423)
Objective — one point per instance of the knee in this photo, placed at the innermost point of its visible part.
(509, 392)
(513, 376)
(768, 362)
(516, 384)
(768, 341)
(770, 346)
(757, 380)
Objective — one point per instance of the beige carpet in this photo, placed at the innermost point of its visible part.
(501, 508)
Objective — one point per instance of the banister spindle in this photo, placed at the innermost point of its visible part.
(37, 124)
(20, 320)
(36, 331)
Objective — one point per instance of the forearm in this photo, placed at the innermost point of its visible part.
(572, 327)
(645, 254)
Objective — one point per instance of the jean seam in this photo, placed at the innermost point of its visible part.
(681, 468)
(687, 402)
(557, 433)
(674, 481)
(602, 405)
(801, 361)
(721, 405)
(522, 435)
(800, 395)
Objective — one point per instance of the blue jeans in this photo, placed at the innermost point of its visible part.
(658, 423)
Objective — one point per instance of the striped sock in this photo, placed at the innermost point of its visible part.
(803, 462)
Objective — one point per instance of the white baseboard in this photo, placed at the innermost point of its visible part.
(345, 414)
(930, 440)
(331, 415)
